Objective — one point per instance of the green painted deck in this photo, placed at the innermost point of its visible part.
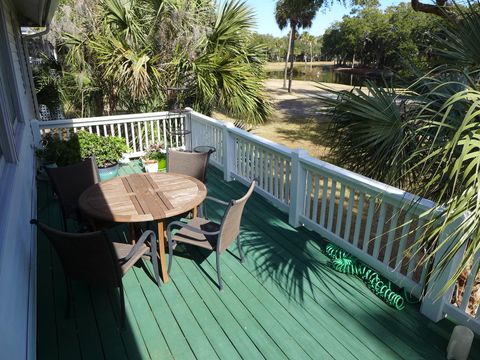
(284, 302)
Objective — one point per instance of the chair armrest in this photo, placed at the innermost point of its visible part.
(189, 227)
(218, 201)
(139, 243)
(203, 207)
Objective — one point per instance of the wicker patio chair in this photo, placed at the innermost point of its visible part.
(188, 163)
(207, 234)
(69, 182)
(94, 259)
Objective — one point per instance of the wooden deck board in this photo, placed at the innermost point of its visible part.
(283, 302)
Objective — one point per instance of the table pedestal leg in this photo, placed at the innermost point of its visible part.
(161, 250)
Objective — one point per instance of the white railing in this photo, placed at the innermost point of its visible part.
(139, 130)
(375, 222)
(467, 299)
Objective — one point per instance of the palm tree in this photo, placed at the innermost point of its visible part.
(133, 50)
(310, 40)
(298, 14)
(429, 142)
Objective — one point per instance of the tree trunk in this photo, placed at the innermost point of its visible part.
(311, 56)
(292, 50)
(286, 61)
(353, 60)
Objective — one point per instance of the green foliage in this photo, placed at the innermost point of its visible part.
(52, 148)
(107, 150)
(121, 56)
(433, 144)
(155, 152)
(371, 123)
(398, 38)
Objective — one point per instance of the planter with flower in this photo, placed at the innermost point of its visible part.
(155, 158)
(107, 150)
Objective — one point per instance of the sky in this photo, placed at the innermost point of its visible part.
(265, 9)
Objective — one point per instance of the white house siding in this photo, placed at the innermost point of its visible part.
(17, 207)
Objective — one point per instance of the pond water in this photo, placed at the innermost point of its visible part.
(327, 74)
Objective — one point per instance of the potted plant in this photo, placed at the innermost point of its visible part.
(155, 158)
(107, 150)
(49, 153)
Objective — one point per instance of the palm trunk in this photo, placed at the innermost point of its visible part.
(311, 56)
(292, 49)
(286, 61)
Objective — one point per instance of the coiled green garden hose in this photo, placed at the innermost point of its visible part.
(342, 261)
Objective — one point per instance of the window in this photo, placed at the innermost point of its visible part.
(10, 105)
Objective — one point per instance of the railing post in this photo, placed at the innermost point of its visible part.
(297, 189)
(229, 155)
(436, 297)
(37, 138)
(187, 126)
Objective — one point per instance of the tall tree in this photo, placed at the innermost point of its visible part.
(310, 40)
(132, 51)
(299, 14)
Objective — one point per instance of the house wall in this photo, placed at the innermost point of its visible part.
(17, 195)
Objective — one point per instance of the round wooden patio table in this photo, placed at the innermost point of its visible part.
(144, 197)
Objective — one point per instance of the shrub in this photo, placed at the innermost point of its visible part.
(107, 150)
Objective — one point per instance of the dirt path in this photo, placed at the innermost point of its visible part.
(296, 121)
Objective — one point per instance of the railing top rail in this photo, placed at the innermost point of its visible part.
(283, 150)
(390, 192)
(100, 120)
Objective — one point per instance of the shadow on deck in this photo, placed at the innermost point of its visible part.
(283, 302)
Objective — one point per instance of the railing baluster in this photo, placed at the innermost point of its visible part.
(467, 292)
(331, 205)
(340, 210)
(323, 211)
(348, 220)
(368, 226)
(379, 232)
(403, 240)
(282, 180)
(176, 132)
(270, 172)
(125, 128)
(134, 137)
(262, 168)
(152, 133)
(391, 235)
(165, 140)
(315, 198)
(158, 137)
(358, 219)
(276, 178)
(112, 129)
(308, 195)
(140, 136)
(413, 258)
(249, 160)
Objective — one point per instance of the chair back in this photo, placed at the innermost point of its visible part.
(69, 182)
(187, 163)
(230, 227)
(88, 257)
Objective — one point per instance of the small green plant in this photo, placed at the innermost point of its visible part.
(108, 150)
(155, 152)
